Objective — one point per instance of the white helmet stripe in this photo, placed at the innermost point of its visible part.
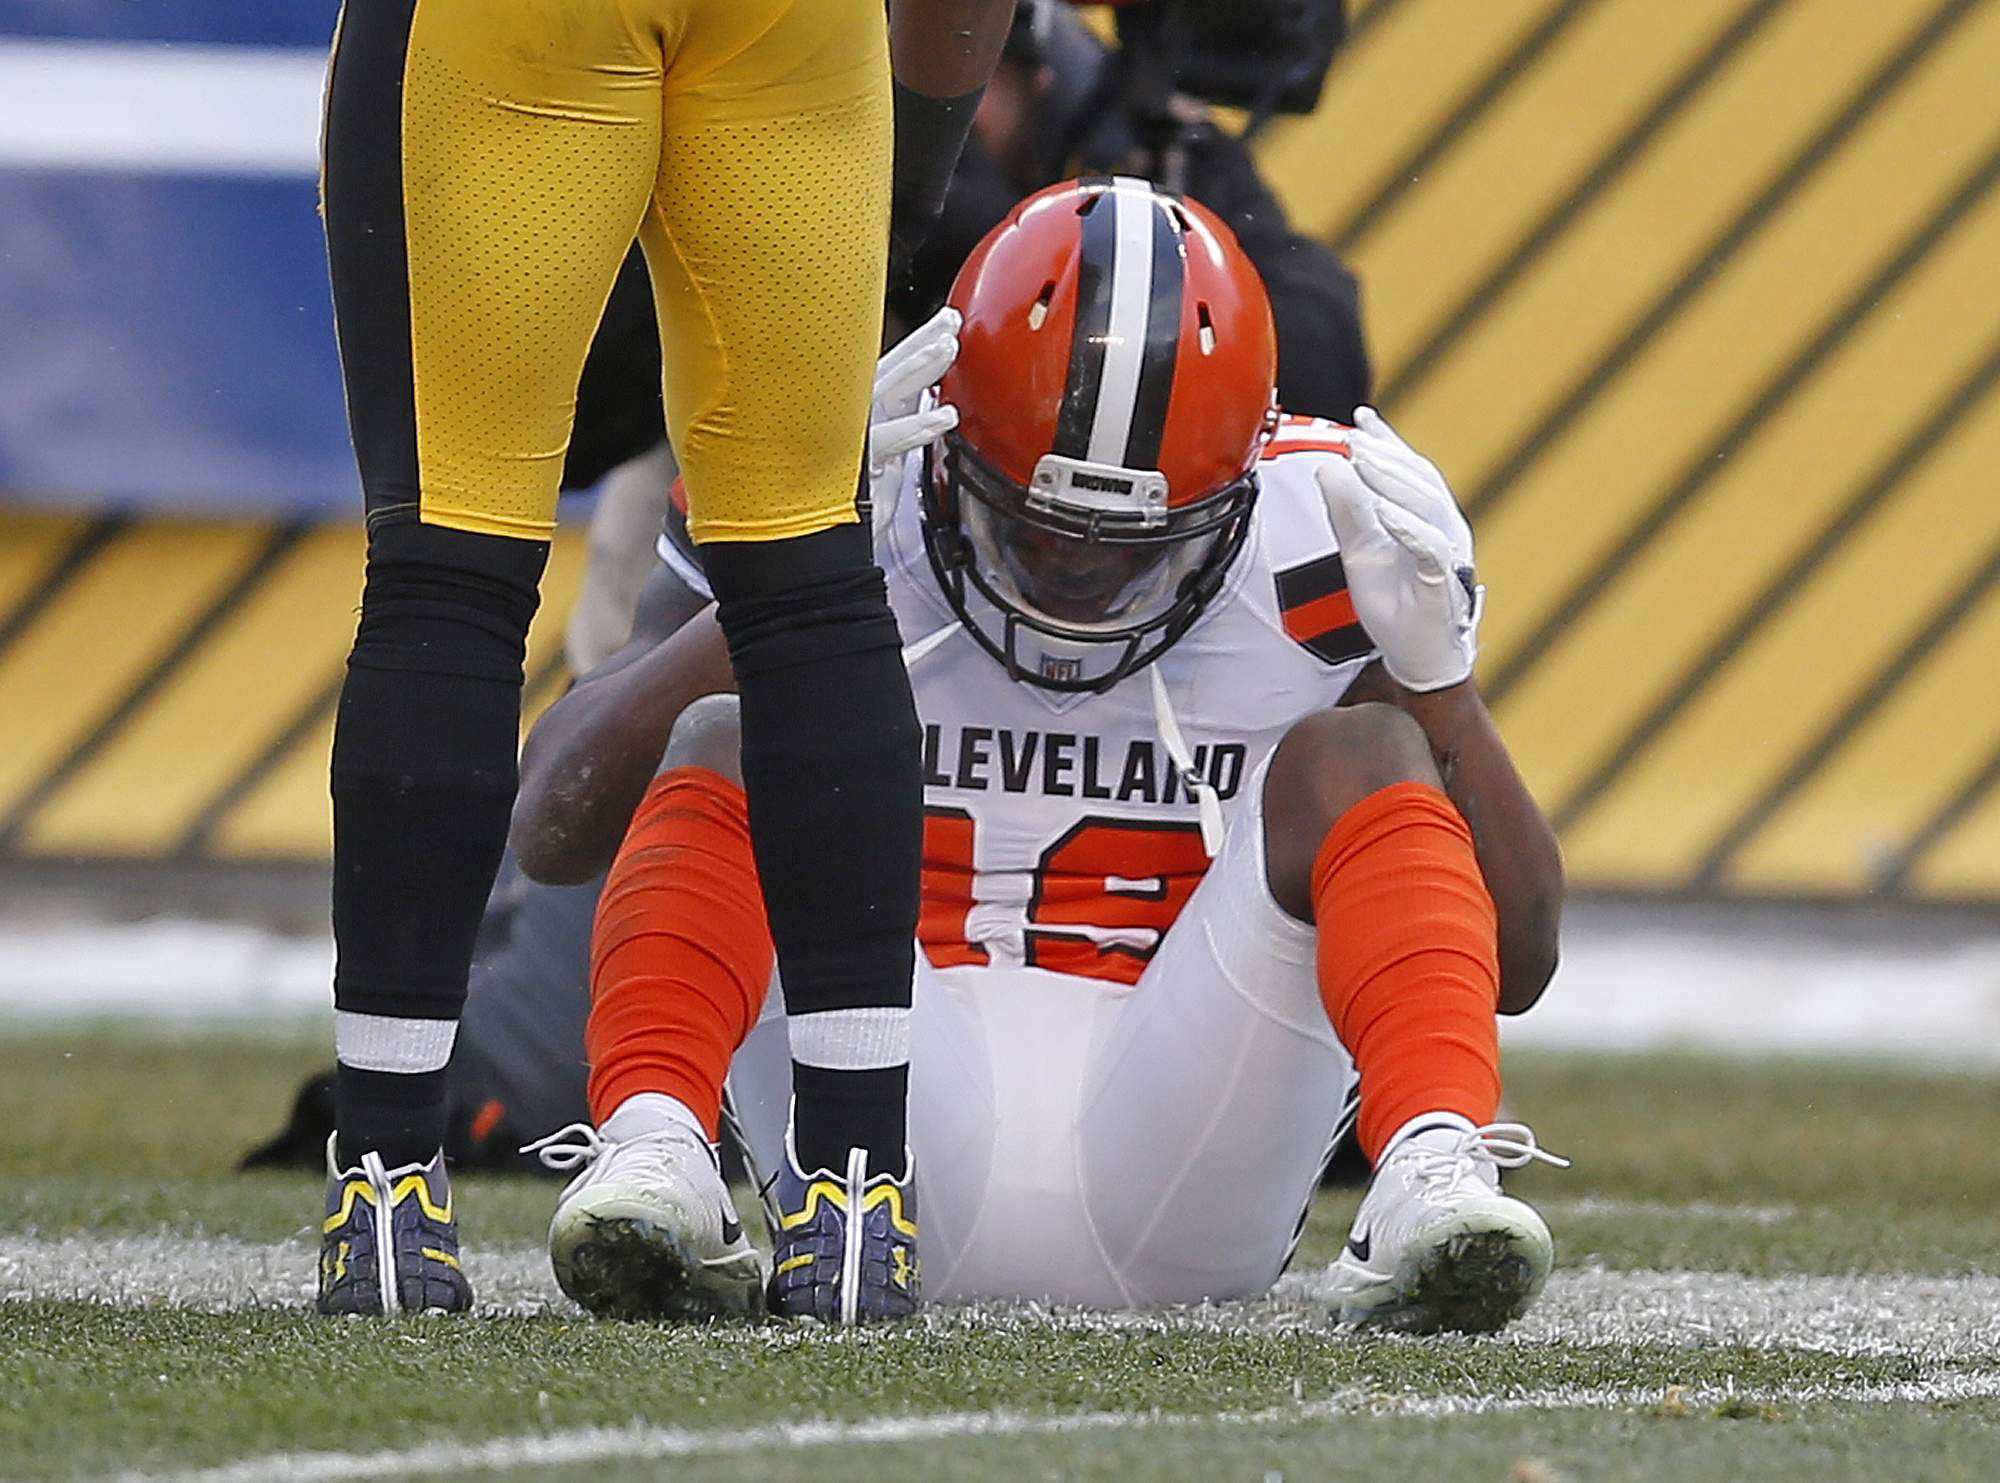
(1131, 303)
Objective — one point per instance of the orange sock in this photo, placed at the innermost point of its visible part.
(680, 956)
(1408, 962)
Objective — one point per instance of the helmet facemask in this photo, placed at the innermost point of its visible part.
(1086, 575)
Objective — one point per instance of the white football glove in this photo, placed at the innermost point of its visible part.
(1407, 551)
(899, 423)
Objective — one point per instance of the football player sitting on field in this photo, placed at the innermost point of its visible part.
(1220, 839)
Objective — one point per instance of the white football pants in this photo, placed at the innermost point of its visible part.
(1088, 1143)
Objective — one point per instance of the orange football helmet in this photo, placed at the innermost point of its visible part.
(1115, 384)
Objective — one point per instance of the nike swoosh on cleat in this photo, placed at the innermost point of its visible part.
(1361, 1245)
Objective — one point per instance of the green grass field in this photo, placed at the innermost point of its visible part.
(1768, 1270)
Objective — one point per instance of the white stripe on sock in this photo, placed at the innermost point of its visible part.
(383, 1042)
(851, 1039)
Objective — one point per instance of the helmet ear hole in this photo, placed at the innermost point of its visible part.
(1206, 321)
(1038, 312)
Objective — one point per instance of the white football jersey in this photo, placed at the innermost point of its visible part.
(1059, 831)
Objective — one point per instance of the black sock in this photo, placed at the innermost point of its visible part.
(838, 1110)
(397, 1114)
(832, 768)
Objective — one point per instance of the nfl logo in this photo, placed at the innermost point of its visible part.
(1061, 670)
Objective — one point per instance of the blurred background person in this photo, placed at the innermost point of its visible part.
(1066, 100)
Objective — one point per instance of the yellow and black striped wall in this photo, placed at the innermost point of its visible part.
(168, 685)
(1697, 302)
(1699, 305)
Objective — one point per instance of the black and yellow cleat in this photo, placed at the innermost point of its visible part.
(389, 1243)
(846, 1245)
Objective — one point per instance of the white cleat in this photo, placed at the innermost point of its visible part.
(647, 1228)
(1436, 1247)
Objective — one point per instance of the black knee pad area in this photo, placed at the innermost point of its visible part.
(448, 602)
(788, 604)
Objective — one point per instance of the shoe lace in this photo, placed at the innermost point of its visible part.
(568, 1148)
(659, 1153)
(387, 1278)
(1497, 1145)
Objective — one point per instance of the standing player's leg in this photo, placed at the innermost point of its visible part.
(768, 246)
(486, 166)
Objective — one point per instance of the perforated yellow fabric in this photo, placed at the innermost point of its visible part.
(747, 143)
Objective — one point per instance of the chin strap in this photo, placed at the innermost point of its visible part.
(1207, 800)
(913, 652)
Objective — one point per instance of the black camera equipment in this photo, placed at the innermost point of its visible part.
(1141, 109)
(1266, 56)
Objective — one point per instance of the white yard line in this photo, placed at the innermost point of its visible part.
(1950, 1319)
(1959, 1386)
(643, 1442)
(1703, 1210)
(1931, 1319)
(220, 1274)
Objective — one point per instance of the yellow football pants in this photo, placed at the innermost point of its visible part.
(488, 164)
